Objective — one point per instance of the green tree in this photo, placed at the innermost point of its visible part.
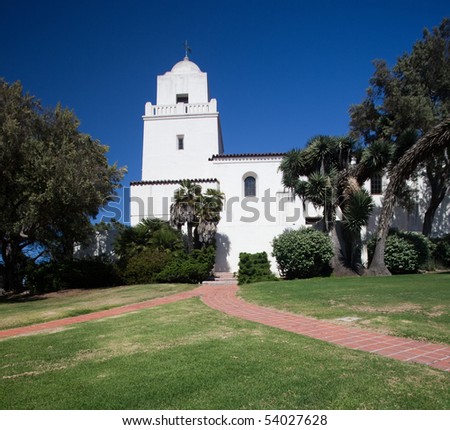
(209, 215)
(413, 96)
(184, 209)
(323, 174)
(53, 178)
(437, 140)
(199, 212)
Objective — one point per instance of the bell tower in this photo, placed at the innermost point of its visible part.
(182, 131)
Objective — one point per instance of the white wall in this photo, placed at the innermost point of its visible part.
(412, 220)
(249, 224)
(154, 200)
(196, 121)
(161, 157)
(184, 78)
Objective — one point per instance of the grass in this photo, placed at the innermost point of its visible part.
(188, 356)
(414, 306)
(23, 311)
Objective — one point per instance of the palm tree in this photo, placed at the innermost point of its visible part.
(199, 212)
(209, 215)
(437, 140)
(184, 209)
(334, 184)
(149, 233)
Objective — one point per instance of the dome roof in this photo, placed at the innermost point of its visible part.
(185, 66)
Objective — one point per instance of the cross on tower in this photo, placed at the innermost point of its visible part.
(187, 50)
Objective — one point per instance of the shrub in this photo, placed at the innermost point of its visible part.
(144, 267)
(189, 268)
(303, 253)
(442, 250)
(422, 245)
(400, 255)
(254, 268)
(86, 273)
(406, 251)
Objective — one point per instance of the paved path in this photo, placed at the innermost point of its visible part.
(51, 325)
(222, 297)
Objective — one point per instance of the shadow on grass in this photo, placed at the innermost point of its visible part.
(20, 298)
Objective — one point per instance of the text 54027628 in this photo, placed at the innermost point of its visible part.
(296, 420)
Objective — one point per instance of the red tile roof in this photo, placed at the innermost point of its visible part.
(171, 181)
(256, 155)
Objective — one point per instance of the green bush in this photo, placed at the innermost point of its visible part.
(442, 251)
(400, 255)
(406, 251)
(145, 266)
(189, 268)
(303, 253)
(86, 273)
(422, 245)
(254, 268)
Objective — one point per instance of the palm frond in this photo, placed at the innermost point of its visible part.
(357, 211)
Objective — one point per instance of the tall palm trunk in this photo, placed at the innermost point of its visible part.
(190, 236)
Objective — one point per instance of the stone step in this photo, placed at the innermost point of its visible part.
(222, 278)
(224, 275)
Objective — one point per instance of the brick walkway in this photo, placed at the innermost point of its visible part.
(50, 325)
(223, 298)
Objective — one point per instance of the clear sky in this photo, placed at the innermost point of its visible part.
(282, 71)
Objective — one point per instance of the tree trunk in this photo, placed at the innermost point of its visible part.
(355, 254)
(339, 262)
(67, 249)
(377, 266)
(11, 276)
(190, 239)
(438, 184)
(429, 214)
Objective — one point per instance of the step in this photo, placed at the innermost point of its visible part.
(224, 275)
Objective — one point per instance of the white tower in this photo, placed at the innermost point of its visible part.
(183, 129)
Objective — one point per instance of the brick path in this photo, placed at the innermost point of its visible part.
(100, 314)
(222, 297)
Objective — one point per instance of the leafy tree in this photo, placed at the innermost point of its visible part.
(199, 212)
(435, 141)
(411, 98)
(53, 178)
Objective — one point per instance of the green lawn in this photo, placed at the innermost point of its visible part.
(188, 356)
(31, 310)
(414, 306)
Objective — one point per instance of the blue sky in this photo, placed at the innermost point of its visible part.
(282, 71)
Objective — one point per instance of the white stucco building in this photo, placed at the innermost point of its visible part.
(183, 140)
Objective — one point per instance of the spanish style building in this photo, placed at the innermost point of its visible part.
(183, 140)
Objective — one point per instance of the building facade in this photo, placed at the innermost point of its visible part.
(183, 140)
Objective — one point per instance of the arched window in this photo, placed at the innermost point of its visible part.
(250, 186)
